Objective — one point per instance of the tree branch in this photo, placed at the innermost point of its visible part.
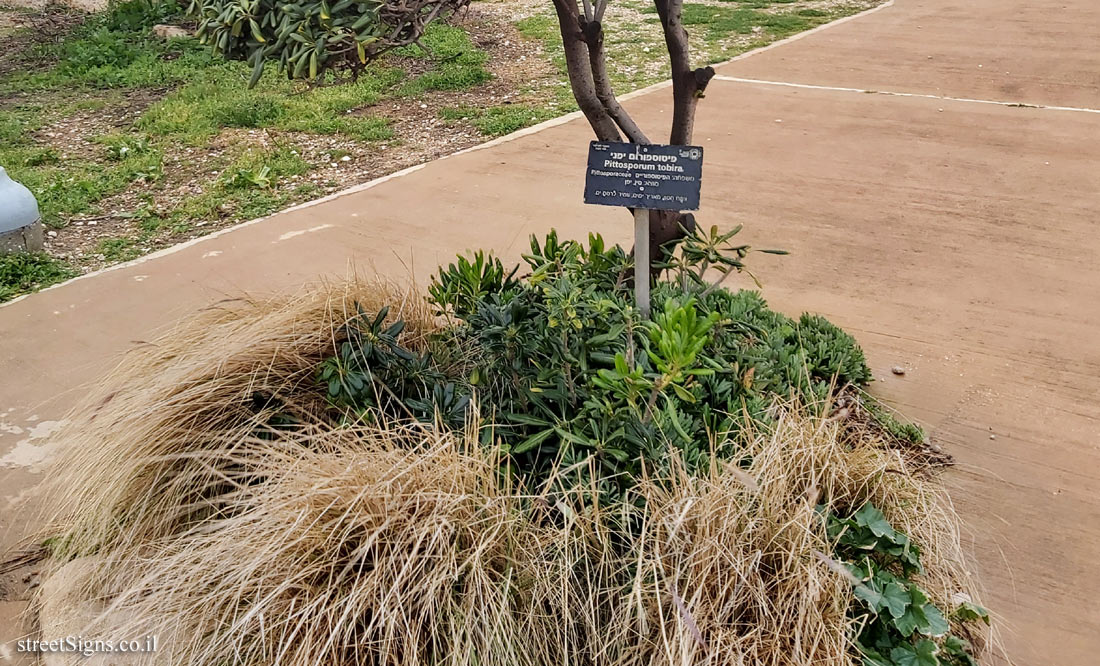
(593, 36)
(687, 84)
(601, 5)
(579, 68)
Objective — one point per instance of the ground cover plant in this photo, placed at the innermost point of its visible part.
(132, 143)
(22, 272)
(362, 474)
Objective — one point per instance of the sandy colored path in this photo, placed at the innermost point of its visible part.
(957, 239)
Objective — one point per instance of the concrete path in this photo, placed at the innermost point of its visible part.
(955, 237)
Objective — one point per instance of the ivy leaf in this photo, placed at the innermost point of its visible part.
(969, 612)
(895, 598)
(874, 520)
(924, 654)
(958, 649)
(873, 599)
(908, 622)
(934, 624)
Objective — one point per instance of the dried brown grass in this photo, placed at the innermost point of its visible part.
(406, 545)
(144, 453)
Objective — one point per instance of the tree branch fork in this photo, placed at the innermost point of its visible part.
(586, 64)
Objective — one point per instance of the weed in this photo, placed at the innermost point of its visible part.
(242, 178)
(456, 63)
(898, 625)
(23, 272)
(123, 146)
(40, 157)
(13, 127)
(118, 249)
(153, 172)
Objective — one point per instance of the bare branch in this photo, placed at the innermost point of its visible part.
(593, 35)
(601, 6)
(687, 84)
(587, 10)
(579, 69)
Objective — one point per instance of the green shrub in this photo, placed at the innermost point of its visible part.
(310, 37)
(564, 367)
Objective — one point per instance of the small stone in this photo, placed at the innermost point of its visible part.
(345, 158)
(51, 234)
(170, 31)
(993, 437)
(897, 370)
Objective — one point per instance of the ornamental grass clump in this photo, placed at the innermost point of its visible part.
(518, 470)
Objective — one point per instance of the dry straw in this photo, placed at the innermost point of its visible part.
(391, 544)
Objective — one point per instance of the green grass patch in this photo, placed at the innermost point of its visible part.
(23, 272)
(65, 188)
(116, 50)
(456, 63)
(636, 53)
(720, 22)
(248, 187)
(102, 54)
(499, 120)
(761, 4)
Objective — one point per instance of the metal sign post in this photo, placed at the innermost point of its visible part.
(641, 268)
(643, 177)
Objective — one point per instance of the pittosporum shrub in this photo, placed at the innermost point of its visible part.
(564, 369)
(310, 37)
